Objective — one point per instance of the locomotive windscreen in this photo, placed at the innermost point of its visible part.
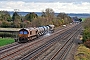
(23, 31)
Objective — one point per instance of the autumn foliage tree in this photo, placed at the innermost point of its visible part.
(49, 15)
(66, 19)
(86, 33)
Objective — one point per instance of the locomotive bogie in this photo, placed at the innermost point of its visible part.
(23, 39)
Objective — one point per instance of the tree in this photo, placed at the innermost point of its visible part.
(5, 24)
(57, 22)
(49, 15)
(86, 23)
(16, 20)
(5, 16)
(31, 16)
(15, 16)
(86, 32)
(62, 16)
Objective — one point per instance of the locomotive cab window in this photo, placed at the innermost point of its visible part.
(21, 32)
(25, 32)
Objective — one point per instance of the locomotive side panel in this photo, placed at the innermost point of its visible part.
(32, 33)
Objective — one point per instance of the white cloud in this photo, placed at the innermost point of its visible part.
(39, 7)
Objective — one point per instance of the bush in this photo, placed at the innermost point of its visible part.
(87, 43)
(86, 34)
(3, 34)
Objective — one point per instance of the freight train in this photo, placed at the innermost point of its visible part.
(27, 34)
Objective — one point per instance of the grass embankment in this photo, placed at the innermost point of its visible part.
(5, 41)
(83, 19)
(83, 53)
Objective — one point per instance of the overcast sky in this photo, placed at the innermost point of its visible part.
(67, 6)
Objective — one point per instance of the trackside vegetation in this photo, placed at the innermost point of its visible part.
(5, 41)
(86, 32)
(83, 52)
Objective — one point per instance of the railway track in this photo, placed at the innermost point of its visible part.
(8, 46)
(21, 50)
(62, 52)
(35, 53)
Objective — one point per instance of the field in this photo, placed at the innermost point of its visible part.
(5, 41)
(83, 19)
(83, 53)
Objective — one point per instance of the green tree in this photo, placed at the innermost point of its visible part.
(5, 16)
(15, 16)
(66, 19)
(86, 32)
(6, 24)
(57, 22)
(31, 16)
(16, 19)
